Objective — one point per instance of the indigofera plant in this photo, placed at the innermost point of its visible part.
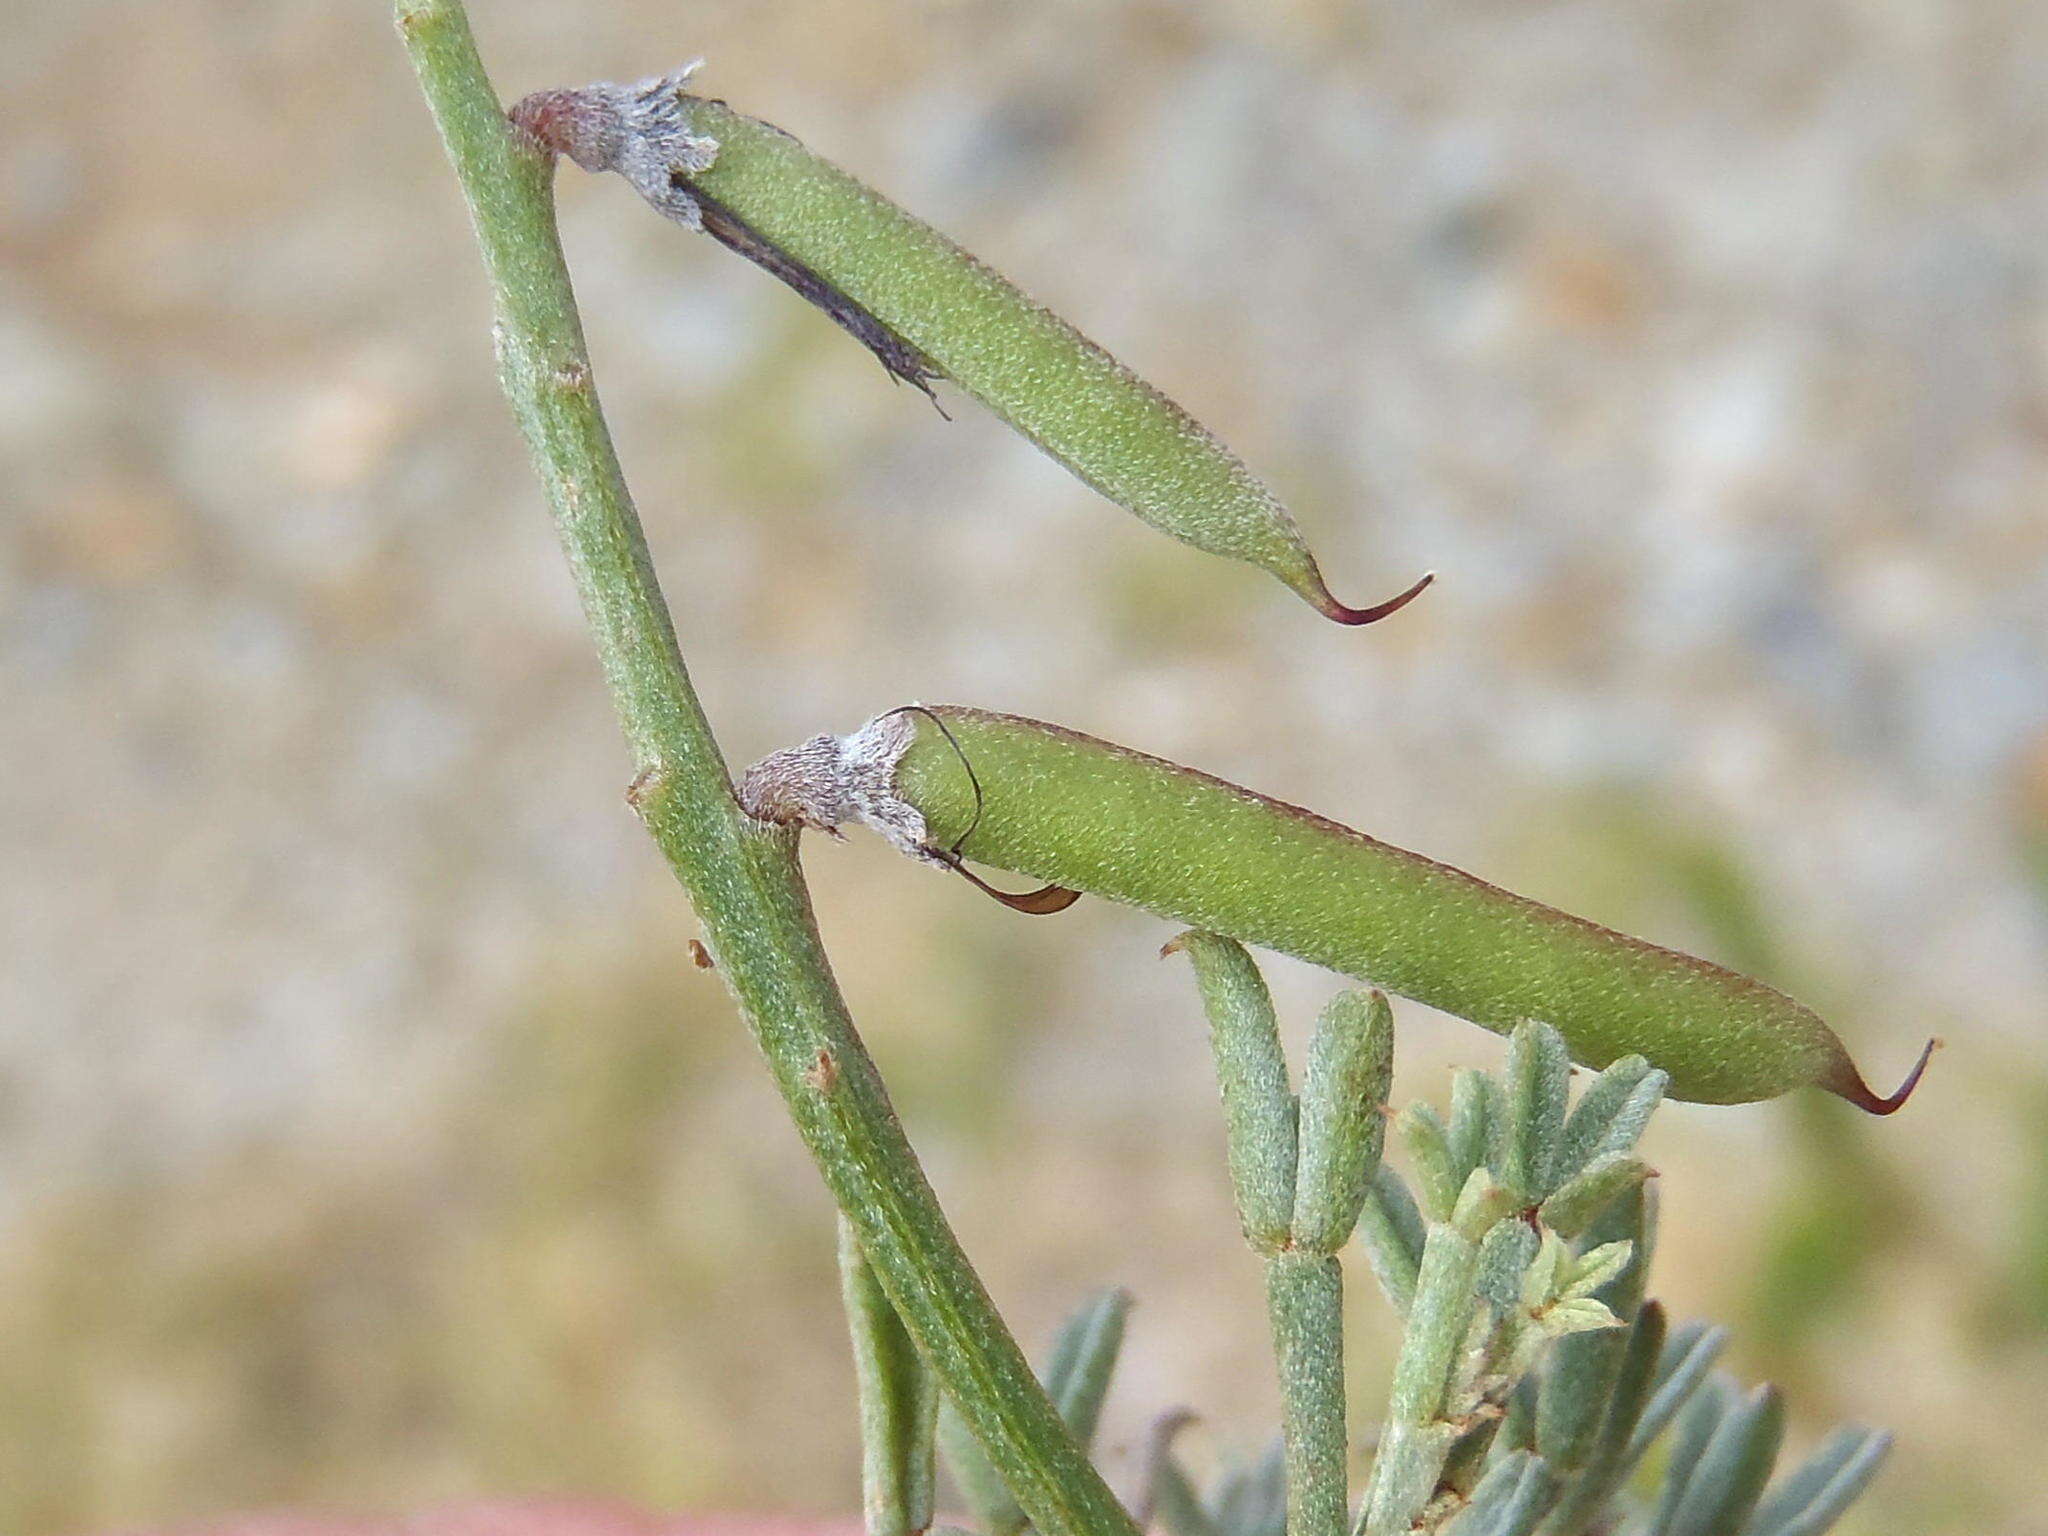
(1533, 1377)
(945, 783)
(929, 310)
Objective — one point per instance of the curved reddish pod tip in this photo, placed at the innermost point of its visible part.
(1331, 608)
(1848, 1083)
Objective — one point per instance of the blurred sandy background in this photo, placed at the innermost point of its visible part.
(368, 1139)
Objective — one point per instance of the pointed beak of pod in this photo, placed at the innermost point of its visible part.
(1847, 1083)
(1330, 608)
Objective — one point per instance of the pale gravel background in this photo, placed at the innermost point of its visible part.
(1699, 347)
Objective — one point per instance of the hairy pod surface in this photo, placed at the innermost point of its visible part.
(929, 309)
(1075, 811)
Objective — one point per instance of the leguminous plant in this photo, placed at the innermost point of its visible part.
(1539, 1387)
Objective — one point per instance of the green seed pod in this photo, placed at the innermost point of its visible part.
(948, 783)
(928, 309)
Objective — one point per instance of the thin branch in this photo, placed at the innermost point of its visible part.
(742, 878)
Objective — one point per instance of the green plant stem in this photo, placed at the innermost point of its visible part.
(742, 878)
(899, 1402)
(1305, 1297)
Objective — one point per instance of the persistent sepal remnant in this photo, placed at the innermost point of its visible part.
(830, 780)
(638, 130)
(642, 132)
